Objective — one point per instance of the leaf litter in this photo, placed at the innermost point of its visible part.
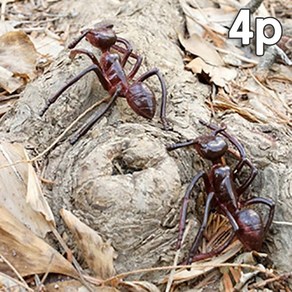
(26, 217)
(211, 55)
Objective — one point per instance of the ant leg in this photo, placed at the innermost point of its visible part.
(156, 72)
(90, 55)
(180, 145)
(105, 83)
(74, 43)
(243, 160)
(242, 188)
(94, 118)
(267, 202)
(199, 235)
(183, 212)
(128, 52)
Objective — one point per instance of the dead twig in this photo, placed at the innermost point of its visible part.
(285, 223)
(274, 279)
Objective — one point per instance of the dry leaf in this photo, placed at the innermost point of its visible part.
(47, 46)
(34, 193)
(98, 254)
(17, 55)
(216, 19)
(7, 81)
(27, 253)
(201, 48)
(218, 75)
(20, 192)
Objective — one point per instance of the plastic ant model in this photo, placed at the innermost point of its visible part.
(110, 70)
(223, 194)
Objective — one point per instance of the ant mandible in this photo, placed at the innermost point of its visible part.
(223, 193)
(111, 73)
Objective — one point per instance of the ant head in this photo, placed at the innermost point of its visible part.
(102, 37)
(211, 147)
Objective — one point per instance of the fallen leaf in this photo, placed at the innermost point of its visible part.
(26, 252)
(218, 75)
(20, 190)
(7, 81)
(47, 46)
(216, 19)
(34, 194)
(98, 254)
(17, 55)
(196, 45)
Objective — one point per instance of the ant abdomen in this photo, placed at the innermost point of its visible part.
(142, 100)
(251, 229)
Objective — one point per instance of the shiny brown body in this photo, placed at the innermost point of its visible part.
(224, 194)
(110, 70)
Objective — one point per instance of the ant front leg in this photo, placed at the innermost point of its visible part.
(90, 55)
(155, 71)
(180, 145)
(74, 43)
(103, 80)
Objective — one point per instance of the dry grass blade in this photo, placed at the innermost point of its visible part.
(20, 190)
(10, 284)
(28, 253)
(73, 285)
(221, 103)
(185, 275)
(98, 254)
(139, 286)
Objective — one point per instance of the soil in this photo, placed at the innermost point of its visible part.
(119, 179)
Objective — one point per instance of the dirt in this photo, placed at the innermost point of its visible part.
(119, 178)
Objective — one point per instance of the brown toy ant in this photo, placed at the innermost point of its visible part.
(224, 194)
(110, 70)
